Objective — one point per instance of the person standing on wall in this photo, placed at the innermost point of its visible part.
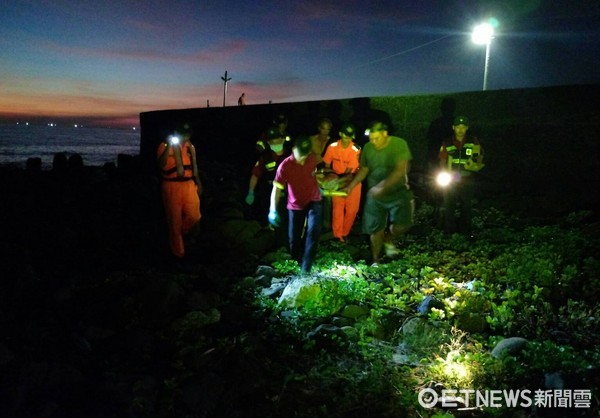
(384, 162)
(342, 157)
(181, 187)
(462, 155)
(296, 174)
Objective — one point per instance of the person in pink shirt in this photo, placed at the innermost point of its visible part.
(296, 174)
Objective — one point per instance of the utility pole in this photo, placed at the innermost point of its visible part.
(225, 80)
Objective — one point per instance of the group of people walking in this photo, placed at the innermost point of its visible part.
(300, 185)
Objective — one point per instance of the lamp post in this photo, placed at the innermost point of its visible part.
(483, 35)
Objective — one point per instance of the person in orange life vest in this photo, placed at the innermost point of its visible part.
(462, 155)
(181, 187)
(343, 158)
(263, 173)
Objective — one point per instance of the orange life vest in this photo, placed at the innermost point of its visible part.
(169, 171)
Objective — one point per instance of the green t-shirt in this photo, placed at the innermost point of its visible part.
(382, 162)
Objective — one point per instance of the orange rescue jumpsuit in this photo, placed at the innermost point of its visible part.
(179, 195)
(344, 161)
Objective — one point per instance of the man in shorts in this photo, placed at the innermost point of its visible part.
(389, 205)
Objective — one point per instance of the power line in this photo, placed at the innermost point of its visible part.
(400, 53)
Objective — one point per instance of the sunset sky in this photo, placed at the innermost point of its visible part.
(104, 62)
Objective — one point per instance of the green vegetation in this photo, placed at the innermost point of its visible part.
(359, 346)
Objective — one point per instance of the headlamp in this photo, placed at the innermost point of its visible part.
(174, 139)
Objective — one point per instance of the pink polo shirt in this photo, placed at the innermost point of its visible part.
(300, 180)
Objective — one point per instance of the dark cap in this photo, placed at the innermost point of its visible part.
(348, 130)
(273, 133)
(461, 120)
(304, 145)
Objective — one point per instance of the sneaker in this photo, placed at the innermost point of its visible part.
(390, 249)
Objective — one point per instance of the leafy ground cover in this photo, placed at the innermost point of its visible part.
(96, 322)
(369, 339)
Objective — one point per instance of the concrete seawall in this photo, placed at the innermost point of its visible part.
(539, 142)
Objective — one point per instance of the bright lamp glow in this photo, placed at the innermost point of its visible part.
(443, 179)
(483, 34)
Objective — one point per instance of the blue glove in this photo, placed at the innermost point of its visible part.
(274, 218)
(250, 197)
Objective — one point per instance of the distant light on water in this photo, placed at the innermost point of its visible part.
(97, 146)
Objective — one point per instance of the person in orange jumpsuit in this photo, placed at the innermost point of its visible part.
(181, 187)
(342, 157)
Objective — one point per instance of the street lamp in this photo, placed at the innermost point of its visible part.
(483, 35)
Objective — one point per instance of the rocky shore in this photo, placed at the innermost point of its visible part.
(97, 321)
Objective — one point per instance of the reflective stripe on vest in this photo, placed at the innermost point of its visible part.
(470, 149)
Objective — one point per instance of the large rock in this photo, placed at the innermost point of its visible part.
(512, 346)
(299, 291)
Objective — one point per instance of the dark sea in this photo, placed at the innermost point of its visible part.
(97, 146)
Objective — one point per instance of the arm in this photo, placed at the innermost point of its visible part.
(443, 157)
(162, 158)
(395, 177)
(358, 178)
(252, 184)
(195, 169)
(251, 187)
(276, 193)
(275, 196)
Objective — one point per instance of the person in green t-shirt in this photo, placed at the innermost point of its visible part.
(389, 206)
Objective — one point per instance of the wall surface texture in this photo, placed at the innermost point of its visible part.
(542, 143)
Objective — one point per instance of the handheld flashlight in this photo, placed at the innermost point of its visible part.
(443, 179)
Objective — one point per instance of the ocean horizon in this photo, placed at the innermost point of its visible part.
(97, 146)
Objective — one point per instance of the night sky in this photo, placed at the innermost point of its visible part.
(106, 61)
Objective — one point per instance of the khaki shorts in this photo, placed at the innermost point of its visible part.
(398, 211)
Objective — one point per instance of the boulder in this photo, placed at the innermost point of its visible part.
(299, 291)
(512, 346)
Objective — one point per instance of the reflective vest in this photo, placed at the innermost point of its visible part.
(169, 171)
(458, 157)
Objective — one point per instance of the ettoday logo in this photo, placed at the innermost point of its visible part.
(471, 398)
